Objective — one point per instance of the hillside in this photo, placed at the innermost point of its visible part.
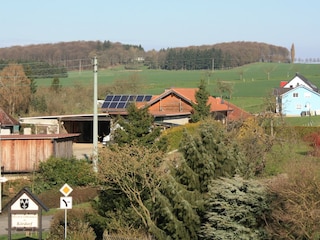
(225, 55)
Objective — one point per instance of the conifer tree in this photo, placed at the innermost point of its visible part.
(210, 155)
(201, 109)
(138, 126)
(235, 210)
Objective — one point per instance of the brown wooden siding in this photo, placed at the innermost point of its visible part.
(171, 104)
(24, 155)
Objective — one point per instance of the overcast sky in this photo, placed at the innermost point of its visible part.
(157, 24)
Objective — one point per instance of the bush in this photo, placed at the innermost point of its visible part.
(51, 198)
(174, 134)
(295, 202)
(314, 140)
(77, 226)
(55, 172)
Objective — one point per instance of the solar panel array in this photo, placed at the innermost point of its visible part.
(122, 101)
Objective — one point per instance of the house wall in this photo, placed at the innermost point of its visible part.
(300, 100)
(24, 155)
(171, 103)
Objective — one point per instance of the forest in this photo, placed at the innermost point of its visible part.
(217, 56)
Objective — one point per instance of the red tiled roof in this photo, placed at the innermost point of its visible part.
(237, 113)
(6, 119)
(217, 104)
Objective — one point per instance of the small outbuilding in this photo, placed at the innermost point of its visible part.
(23, 153)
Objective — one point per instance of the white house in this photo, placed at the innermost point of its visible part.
(299, 80)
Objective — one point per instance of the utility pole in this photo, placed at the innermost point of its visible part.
(212, 65)
(95, 115)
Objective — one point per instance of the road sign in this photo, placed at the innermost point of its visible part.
(66, 202)
(66, 190)
(3, 179)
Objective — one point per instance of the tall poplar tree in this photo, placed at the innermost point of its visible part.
(293, 53)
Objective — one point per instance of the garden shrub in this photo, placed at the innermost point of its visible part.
(51, 198)
(55, 172)
(77, 226)
(174, 134)
(314, 140)
(295, 202)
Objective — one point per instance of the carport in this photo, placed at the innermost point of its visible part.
(78, 123)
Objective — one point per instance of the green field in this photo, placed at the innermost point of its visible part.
(253, 80)
(251, 83)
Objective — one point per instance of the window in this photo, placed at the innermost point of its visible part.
(298, 106)
(295, 94)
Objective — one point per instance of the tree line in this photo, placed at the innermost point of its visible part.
(39, 69)
(78, 54)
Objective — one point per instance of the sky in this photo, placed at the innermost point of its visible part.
(162, 24)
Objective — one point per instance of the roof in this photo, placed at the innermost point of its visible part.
(299, 87)
(31, 195)
(71, 117)
(280, 91)
(314, 87)
(237, 113)
(38, 136)
(306, 81)
(6, 119)
(188, 94)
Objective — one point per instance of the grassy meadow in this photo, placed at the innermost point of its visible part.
(253, 80)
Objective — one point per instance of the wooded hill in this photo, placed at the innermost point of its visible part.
(218, 56)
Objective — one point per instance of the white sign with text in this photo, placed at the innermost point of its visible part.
(24, 221)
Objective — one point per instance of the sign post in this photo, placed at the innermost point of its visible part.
(65, 203)
(25, 212)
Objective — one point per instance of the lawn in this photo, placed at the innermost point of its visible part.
(24, 236)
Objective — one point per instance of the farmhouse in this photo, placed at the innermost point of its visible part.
(173, 106)
(298, 97)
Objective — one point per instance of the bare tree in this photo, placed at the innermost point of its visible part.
(15, 91)
(137, 172)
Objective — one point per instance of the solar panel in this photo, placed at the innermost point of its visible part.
(113, 105)
(124, 98)
(121, 104)
(132, 98)
(148, 98)
(116, 98)
(122, 101)
(139, 98)
(105, 104)
(109, 98)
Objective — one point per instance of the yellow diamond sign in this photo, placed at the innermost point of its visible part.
(66, 190)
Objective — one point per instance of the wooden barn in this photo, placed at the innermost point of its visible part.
(23, 153)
